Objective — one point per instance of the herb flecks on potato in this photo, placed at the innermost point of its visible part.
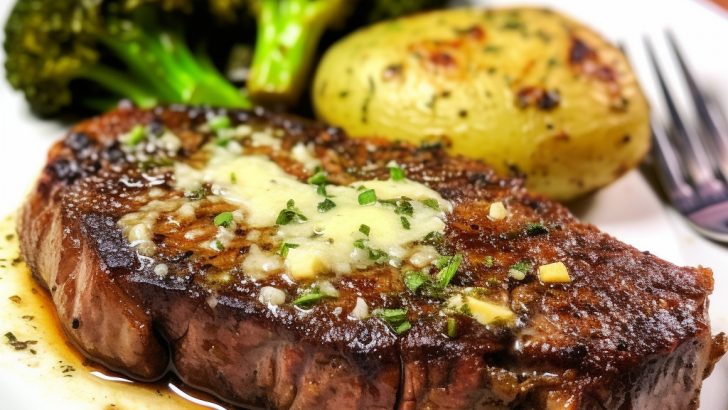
(527, 90)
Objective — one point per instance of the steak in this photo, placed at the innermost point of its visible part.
(626, 330)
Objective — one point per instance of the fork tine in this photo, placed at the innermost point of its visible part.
(696, 160)
(669, 169)
(707, 113)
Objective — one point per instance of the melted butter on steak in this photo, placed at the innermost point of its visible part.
(317, 229)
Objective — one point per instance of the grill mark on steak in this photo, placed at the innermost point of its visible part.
(631, 330)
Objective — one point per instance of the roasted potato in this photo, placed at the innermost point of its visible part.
(528, 91)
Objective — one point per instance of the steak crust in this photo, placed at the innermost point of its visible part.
(630, 330)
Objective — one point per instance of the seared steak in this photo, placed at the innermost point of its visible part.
(142, 278)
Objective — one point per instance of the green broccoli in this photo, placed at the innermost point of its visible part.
(64, 52)
(289, 32)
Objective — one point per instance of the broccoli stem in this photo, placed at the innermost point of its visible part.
(120, 84)
(163, 62)
(288, 33)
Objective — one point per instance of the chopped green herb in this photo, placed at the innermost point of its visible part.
(290, 214)
(536, 228)
(326, 205)
(402, 206)
(222, 141)
(522, 266)
(218, 246)
(447, 272)
(318, 178)
(405, 222)
(488, 261)
(413, 280)
(285, 246)
(520, 269)
(452, 327)
(361, 188)
(308, 299)
(367, 197)
(364, 229)
(233, 178)
(377, 254)
(433, 238)
(311, 297)
(197, 194)
(395, 318)
(18, 344)
(136, 135)
(431, 203)
(396, 173)
(403, 327)
(321, 190)
(218, 123)
(223, 219)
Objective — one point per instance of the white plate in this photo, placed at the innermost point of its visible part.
(629, 209)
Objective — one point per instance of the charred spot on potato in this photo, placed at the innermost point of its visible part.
(626, 139)
(463, 113)
(343, 93)
(538, 97)
(580, 51)
(392, 71)
(475, 32)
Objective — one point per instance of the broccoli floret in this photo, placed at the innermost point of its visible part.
(63, 52)
(289, 32)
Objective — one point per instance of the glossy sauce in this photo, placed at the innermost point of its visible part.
(35, 352)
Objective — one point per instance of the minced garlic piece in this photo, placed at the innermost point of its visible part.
(488, 313)
(497, 211)
(271, 295)
(554, 273)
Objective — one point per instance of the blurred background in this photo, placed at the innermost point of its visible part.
(631, 209)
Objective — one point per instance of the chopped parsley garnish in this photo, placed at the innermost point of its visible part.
(452, 327)
(285, 246)
(326, 205)
(431, 203)
(218, 123)
(310, 297)
(222, 141)
(519, 270)
(396, 173)
(136, 135)
(448, 269)
(405, 222)
(488, 261)
(233, 178)
(318, 178)
(364, 229)
(197, 194)
(395, 318)
(376, 255)
(536, 228)
(402, 206)
(218, 246)
(367, 197)
(433, 238)
(321, 190)
(290, 214)
(224, 219)
(415, 279)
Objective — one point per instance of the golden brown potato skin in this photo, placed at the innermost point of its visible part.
(527, 90)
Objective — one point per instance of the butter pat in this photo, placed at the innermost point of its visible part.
(488, 313)
(497, 211)
(554, 273)
(304, 264)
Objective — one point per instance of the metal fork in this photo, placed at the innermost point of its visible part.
(692, 162)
